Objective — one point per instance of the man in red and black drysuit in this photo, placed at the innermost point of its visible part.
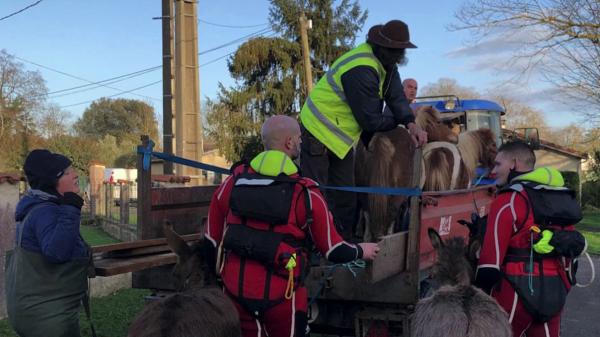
(522, 263)
(260, 220)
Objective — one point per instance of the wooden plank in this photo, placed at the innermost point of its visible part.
(414, 231)
(125, 253)
(140, 244)
(391, 257)
(109, 267)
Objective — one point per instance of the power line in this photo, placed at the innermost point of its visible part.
(151, 69)
(21, 10)
(117, 94)
(94, 85)
(245, 37)
(111, 80)
(86, 80)
(224, 56)
(230, 26)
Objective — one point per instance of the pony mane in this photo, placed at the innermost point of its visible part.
(426, 115)
(438, 170)
(473, 146)
(380, 174)
(470, 147)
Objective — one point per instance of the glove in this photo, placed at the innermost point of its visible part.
(73, 199)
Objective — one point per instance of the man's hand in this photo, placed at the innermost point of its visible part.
(417, 134)
(369, 250)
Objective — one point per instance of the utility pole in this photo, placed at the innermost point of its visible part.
(305, 25)
(167, 72)
(188, 121)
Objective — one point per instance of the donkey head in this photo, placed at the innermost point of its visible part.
(194, 268)
(452, 266)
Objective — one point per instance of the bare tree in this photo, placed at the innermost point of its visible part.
(449, 86)
(22, 96)
(53, 122)
(559, 38)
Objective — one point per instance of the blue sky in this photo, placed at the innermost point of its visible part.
(96, 40)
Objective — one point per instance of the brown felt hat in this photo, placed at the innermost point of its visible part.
(393, 35)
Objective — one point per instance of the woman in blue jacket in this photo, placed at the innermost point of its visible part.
(46, 273)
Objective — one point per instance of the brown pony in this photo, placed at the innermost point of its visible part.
(199, 308)
(387, 162)
(457, 309)
(449, 167)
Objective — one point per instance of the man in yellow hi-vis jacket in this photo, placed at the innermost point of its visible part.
(347, 102)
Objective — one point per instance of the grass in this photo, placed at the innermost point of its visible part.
(111, 314)
(95, 236)
(590, 222)
(593, 239)
(590, 228)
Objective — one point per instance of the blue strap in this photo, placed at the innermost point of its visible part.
(147, 152)
(409, 192)
(187, 162)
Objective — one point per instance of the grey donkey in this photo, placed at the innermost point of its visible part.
(457, 309)
(199, 308)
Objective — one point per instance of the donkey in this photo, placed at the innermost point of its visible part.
(199, 308)
(457, 309)
(387, 162)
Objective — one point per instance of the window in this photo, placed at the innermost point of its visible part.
(478, 119)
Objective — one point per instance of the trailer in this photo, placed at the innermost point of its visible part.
(346, 301)
(364, 302)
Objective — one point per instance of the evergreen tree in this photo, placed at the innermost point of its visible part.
(268, 71)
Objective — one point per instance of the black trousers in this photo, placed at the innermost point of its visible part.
(323, 166)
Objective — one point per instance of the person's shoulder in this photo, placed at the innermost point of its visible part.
(305, 181)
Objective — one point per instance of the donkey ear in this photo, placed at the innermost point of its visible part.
(176, 242)
(436, 240)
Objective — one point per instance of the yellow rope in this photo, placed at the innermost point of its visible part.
(291, 264)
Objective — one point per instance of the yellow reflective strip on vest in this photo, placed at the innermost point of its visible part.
(327, 123)
(336, 88)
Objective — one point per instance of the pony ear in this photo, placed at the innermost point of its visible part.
(434, 237)
(176, 242)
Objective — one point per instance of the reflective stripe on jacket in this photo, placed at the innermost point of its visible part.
(326, 113)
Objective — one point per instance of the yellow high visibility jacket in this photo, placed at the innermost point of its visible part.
(326, 114)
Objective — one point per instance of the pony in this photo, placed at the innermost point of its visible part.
(457, 308)
(387, 162)
(199, 307)
(448, 167)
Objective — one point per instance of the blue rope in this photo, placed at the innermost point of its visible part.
(351, 266)
(148, 153)
(409, 192)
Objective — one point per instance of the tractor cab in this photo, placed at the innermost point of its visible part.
(466, 115)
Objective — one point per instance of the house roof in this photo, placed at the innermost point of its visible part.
(9, 178)
(551, 146)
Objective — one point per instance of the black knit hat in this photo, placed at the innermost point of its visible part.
(43, 168)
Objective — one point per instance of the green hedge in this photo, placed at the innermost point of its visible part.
(591, 194)
(571, 181)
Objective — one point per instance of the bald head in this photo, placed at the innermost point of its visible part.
(410, 88)
(282, 133)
